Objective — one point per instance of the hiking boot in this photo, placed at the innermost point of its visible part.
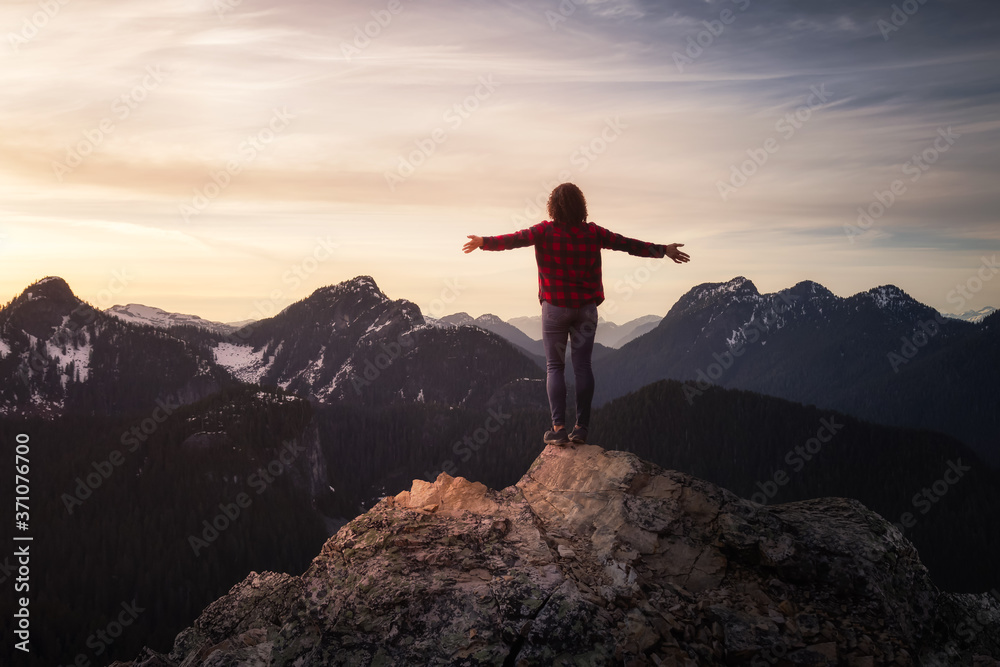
(556, 438)
(578, 435)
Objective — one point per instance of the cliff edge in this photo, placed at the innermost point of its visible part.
(597, 557)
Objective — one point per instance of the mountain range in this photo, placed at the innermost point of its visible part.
(977, 315)
(366, 395)
(879, 355)
(525, 332)
(59, 355)
(609, 334)
(351, 342)
(161, 319)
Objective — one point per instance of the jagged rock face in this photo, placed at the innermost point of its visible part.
(596, 558)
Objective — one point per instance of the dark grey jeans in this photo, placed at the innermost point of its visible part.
(577, 326)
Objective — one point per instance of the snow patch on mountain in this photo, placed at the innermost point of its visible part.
(343, 376)
(888, 296)
(78, 356)
(136, 313)
(705, 294)
(242, 361)
(311, 372)
(376, 326)
(490, 318)
(737, 284)
(358, 285)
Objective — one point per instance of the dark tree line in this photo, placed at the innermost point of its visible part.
(129, 536)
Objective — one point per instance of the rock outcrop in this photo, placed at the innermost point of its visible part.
(597, 558)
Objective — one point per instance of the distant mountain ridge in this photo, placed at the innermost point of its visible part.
(493, 323)
(59, 355)
(975, 315)
(350, 342)
(879, 354)
(516, 331)
(609, 334)
(157, 317)
(347, 342)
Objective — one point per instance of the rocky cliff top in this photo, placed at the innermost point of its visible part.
(597, 557)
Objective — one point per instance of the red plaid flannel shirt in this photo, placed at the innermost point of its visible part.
(569, 258)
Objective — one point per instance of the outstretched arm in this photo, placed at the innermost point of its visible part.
(473, 243)
(613, 241)
(673, 253)
(519, 239)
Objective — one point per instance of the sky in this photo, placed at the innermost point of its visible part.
(225, 158)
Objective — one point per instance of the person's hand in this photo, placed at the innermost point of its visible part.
(676, 255)
(475, 242)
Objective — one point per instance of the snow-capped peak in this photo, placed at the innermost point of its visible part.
(137, 313)
(888, 296)
(974, 316)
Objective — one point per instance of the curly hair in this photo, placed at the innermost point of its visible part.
(567, 205)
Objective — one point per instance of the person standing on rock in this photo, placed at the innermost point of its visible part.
(570, 287)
